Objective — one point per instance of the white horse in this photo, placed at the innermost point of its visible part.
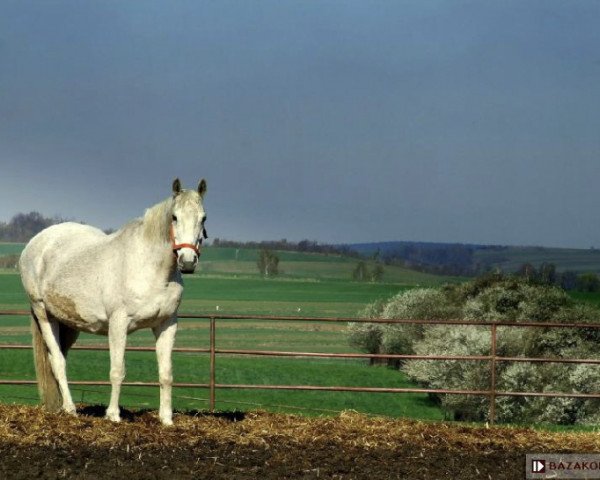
(80, 279)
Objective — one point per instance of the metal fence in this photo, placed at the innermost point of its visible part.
(493, 358)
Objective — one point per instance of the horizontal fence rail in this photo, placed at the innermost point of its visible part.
(213, 351)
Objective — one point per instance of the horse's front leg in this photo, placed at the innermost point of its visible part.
(165, 338)
(117, 340)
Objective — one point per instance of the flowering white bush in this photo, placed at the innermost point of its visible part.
(498, 299)
(416, 304)
(367, 336)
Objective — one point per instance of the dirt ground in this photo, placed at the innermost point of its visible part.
(38, 445)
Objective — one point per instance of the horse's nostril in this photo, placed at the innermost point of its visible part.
(187, 264)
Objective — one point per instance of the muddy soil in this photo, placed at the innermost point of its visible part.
(37, 445)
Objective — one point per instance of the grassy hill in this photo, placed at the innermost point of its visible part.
(217, 260)
(293, 265)
(233, 261)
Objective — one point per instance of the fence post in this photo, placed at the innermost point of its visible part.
(211, 382)
(493, 377)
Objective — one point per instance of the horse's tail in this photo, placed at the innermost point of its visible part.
(47, 384)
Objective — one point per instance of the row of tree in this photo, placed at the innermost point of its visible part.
(23, 226)
(547, 274)
(311, 246)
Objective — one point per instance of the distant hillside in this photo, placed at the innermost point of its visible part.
(509, 259)
(391, 247)
(473, 259)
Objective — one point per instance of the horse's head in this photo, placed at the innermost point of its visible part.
(187, 226)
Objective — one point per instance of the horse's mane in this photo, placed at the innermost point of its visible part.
(154, 225)
(156, 221)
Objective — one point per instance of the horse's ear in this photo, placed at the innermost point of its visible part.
(202, 188)
(176, 187)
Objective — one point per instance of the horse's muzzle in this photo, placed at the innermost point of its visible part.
(186, 265)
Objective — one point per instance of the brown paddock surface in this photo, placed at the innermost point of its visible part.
(35, 444)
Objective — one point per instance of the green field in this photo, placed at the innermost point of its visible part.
(235, 295)
(10, 248)
(587, 297)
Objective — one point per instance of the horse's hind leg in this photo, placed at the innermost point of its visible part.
(50, 330)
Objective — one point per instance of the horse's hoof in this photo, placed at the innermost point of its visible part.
(113, 417)
(167, 422)
(71, 410)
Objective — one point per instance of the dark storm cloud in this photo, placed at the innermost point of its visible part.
(335, 121)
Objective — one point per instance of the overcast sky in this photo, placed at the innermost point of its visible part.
(337, 121)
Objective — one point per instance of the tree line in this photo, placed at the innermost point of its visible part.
(547, 274)
(23, 226)
(309, 246)
(20, 229)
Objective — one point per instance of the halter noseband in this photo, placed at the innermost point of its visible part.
(178, 246)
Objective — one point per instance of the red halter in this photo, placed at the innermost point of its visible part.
(178, 246)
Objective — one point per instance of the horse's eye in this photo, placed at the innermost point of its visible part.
(174, 218)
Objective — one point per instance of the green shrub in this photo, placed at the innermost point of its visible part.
(417, 304)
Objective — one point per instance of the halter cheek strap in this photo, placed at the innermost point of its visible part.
(178, 246)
